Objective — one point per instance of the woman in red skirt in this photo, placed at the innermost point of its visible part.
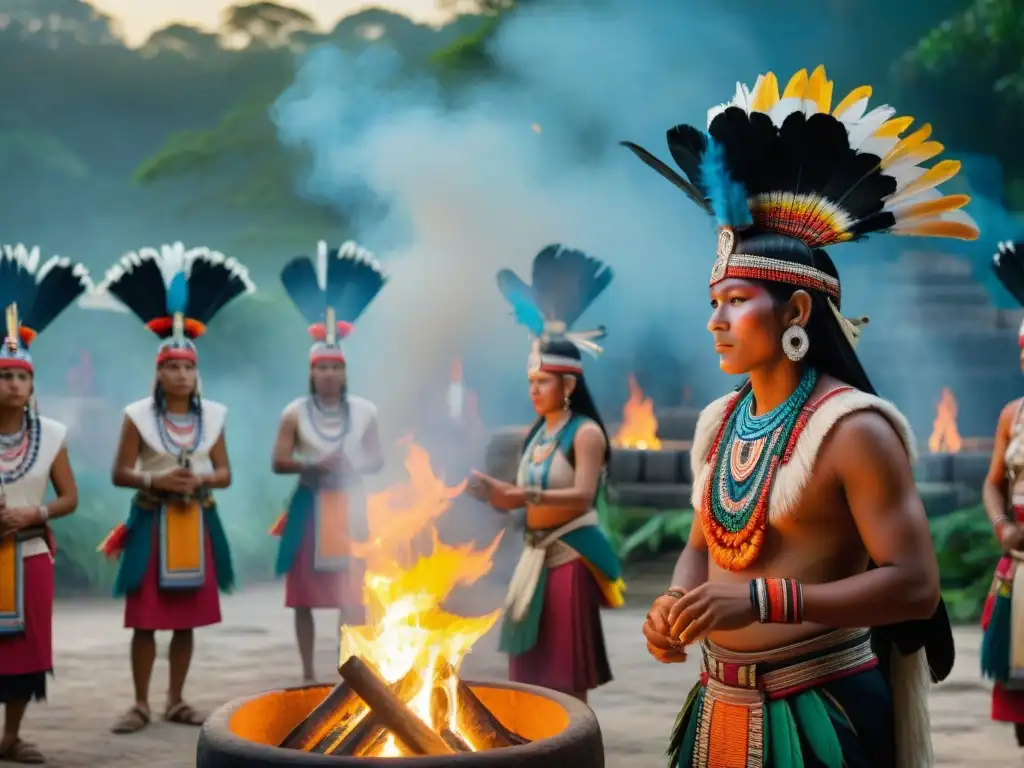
(1002, 652)
(174, 556)
(329, 438)
(568, 570)
(32, 457)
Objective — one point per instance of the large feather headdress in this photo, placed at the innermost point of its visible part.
(1008, 264)
(794, 165)
(33, 295)
(332, 292)
(565, 283)
(174, 291)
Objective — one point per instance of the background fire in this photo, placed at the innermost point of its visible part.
(639, 428)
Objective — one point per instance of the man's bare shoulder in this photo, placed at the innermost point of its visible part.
(865, 437)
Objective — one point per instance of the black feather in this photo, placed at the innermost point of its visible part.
(1008, 264)
(353, 282)
(692, 192)
(212, 284)
(806, 156)
(566, 282)
(213, 281)
(41, 295)
(139, 285)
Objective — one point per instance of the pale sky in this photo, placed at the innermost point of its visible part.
(140, 18)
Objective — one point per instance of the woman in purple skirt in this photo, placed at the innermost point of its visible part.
(568, 569)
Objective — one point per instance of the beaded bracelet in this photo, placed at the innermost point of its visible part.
(999, 522)
(777, 601)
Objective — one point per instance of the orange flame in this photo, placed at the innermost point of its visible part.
(945, 437)
(639, 428)
(407, 628)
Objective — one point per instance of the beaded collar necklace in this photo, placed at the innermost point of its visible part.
(734, 512)
(19, 451)
(180, 431)
(329, 424)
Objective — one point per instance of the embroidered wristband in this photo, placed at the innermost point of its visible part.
(777, 601)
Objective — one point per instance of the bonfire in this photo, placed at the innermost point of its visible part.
(639, 428)
(401, 694)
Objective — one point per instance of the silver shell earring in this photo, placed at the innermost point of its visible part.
(795, 343)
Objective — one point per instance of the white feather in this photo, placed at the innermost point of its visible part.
(783, 109)
(321, 265)
(905, 176)
(864, 128)
(853, 113)
(878, 145)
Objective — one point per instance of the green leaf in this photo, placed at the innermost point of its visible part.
(650, 534)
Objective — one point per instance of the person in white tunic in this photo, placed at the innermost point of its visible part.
(328, 438)
(174, 554)
(33, 456)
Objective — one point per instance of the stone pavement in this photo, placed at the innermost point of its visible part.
(254, 650)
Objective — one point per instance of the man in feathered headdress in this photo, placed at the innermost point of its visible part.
(174, 554)
(33, 456)
(329, 438)
(810, 560)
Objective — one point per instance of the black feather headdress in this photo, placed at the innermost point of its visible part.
(174, 291)
(798, 168)
(332, 292)
(565, 283)
(34, 295)
(1008, 264)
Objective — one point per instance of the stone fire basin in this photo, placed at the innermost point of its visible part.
(563, 732)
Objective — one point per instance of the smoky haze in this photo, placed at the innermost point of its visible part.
(447, 186)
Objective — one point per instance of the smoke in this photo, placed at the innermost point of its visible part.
(468, 189)
(447, 190)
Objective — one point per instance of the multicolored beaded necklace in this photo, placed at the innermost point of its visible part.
(541, 452)
(734, 512)
(19, 451)
(180, 432)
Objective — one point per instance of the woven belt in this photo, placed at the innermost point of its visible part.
(784, 671)
(152, 500)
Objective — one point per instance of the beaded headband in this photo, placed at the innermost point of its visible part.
(748, 267)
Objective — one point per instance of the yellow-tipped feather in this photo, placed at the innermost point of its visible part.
(819, 89)
(766, 94)
(954, 230)
(797, 86)
(921, 154)
(939, 173)
(933, 207)
(861, 92)
(892, 128)
(906, 145)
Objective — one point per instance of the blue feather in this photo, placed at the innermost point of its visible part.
(526, 314)
(177, 294)
(728, 197)
(524, 306)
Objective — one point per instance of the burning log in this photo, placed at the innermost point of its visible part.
(335, 714)
(392, 712)
(481, 727)
(342, 722)
(440, 707)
